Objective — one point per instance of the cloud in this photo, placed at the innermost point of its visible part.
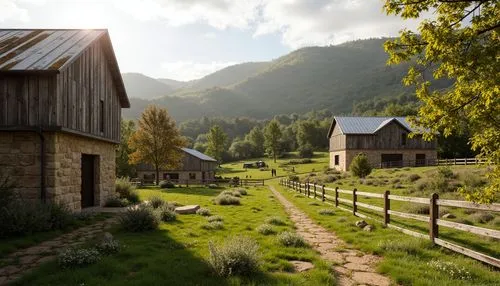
(188, 70)
(10, 10)
(299, 22)
(209, 35)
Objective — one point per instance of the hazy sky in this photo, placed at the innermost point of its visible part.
(187, 39)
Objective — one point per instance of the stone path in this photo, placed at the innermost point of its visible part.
(27, 259)
(352, 266)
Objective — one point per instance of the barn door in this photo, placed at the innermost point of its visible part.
(392, 160)
(88, 180)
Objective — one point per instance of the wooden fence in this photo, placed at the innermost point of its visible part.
(461, 161)
(432, 162)
(193, 182)
(319, 192)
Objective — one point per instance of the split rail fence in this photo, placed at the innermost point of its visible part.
(319, 192)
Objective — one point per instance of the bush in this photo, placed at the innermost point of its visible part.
(265, 229)
(306, 151)
(293, 178)
(413, 177)
(213, 225)
(326, 212)
(242, 192)
(236, 256)
(77, 257)
(214, 218)
(224, 199)
(108, 245)
(481, 217)
(213, 186)
(203, 212)
(156, 202)
(141, 218)
(360, 167)
(126, 190)
(287, 238)
(167, 185)
(445, 172)
(116, 202)
(167, 214)
(275, 220)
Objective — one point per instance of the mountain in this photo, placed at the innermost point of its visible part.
(334, 78)
(175, 84)
(141, 86)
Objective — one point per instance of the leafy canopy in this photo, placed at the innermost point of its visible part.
(461, 42)
(157, 141)
(272, 137)
(216, 142)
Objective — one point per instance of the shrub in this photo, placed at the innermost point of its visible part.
(213, 225)
(418, 209)
(360, 167)
(287, 238)
(214, 218)
(481, 217)
(213, 186)
(439, 184)
(413, 177)
(167, 185)
(275, 220)
(326, 212)
(330, 178)
(445, 172)
(156, 202)
(294, 178)
(265, 229)
(306, 151)
(203, 212)
(116, 202)
(236, 194)
(236, 256)
(108, 245)
(167, 214)
(126, 190)
(242, 192)
(77, 257)
(224, 199)
(141, 218)
(342, 219)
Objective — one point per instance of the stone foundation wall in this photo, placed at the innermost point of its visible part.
(342, 160)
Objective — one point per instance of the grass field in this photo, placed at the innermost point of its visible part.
(235, 169)
(176, 254)
(408, 260)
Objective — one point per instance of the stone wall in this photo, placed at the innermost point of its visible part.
(20, 160)
(183, 175)
(342, 160)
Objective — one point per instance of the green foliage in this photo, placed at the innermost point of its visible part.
(126, 190)
(291, 239)
(78, 257)
(275, 220)
(108, 245)
(216, 142)
(123, 167)
(466, 54)
(411, 246)
(256, 139)
(482, 217)
(167, 185)
(138, 219)
(225, 199)
(360, 167)
(326, 212)
(116, 202)
(214, 218)
(241, 191)
(265, 229)
(167, 214)
(156, 202)
(236, 256)
(272, 137)
(203, 212)
(306, 151)
(450, 268)
(213, 225)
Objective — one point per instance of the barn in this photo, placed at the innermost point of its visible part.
(61, 95)
(384, 140)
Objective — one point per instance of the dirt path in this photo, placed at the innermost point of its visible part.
(352, 266)
(27, 259)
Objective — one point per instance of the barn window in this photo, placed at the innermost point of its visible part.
(171, 176)
(403, 139)
(101, 111)
(192, 176)
(337, 159)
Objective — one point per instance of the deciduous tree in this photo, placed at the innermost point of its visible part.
(461, 42)
(123, 166)
(272, 136)
(157, 141)
(216, 142)
(256, 138)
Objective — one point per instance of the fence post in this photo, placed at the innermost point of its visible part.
(308, 189)
(387, 208)
(336, 196)
(323, 193)
(187, 183)
(354, 199)
(314, 190)
(434, 214)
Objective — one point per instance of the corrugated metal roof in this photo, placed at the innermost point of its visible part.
(367, 125)
(25, 50)
(198, 154)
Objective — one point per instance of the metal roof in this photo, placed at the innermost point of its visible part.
(366, 125)
(198, 154)
(52, 50)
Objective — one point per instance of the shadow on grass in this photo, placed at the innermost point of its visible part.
(147, 258)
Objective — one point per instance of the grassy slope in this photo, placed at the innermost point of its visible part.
(405, 257)
(176, 253)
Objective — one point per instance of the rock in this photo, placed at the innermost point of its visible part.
(370, 278)
(358, 267)
(365, 259)
(368, 228)
(448, 215)
(190, 209)
(334, 257)
(301, 266)
(341, 270)
(361, 223)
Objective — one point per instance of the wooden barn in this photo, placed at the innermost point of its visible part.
(196, 167)
(61, 95)
(384, 140)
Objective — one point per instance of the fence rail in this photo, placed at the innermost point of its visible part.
(433, 162)
(199, 182)
(319, 193)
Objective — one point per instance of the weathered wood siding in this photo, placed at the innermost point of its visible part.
(337, 140)
(70, 99)
(193, 163)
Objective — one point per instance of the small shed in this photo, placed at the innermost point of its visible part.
(61, 95)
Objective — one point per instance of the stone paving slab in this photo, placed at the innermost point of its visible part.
(351, 266)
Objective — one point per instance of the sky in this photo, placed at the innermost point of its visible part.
(188, 39)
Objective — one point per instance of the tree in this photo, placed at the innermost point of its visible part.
(123, 167)
(360, 167)
(216, 142)
(240, 149)
(461, 43)
(157, 141)
(272, 136)
(256, 138)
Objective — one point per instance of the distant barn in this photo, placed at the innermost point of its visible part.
(196, 167)
(384, 140)
(61, 95)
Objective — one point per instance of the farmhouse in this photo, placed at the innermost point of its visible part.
(196, 167)
(384, 140)
(61, 95)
